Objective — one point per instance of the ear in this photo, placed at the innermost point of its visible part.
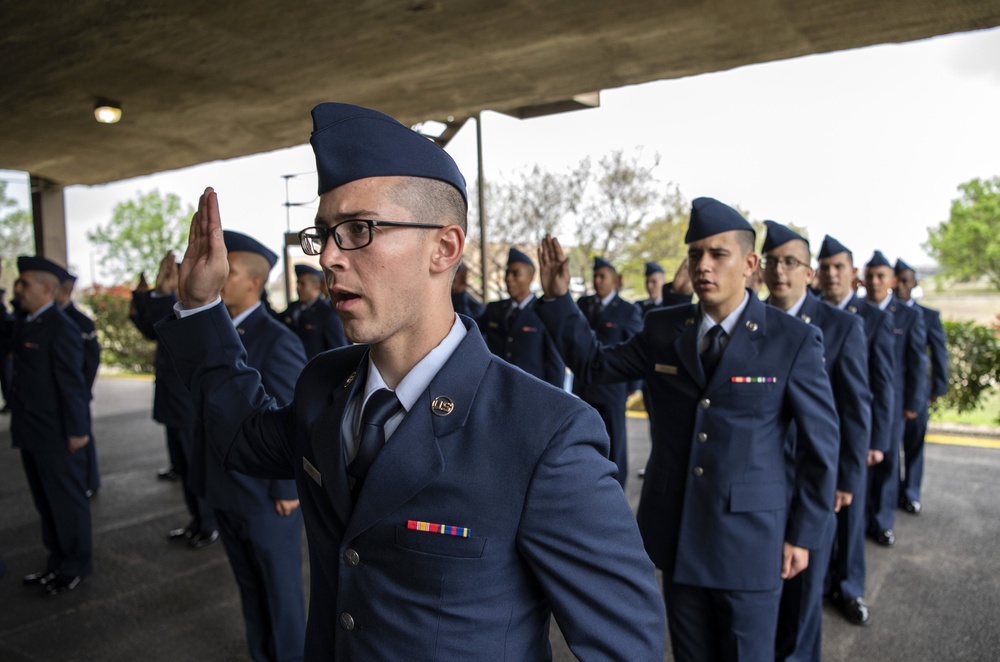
(752, 262)
(447, 250)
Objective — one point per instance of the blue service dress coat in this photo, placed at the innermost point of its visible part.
(847, 564)
(316, 325)
(519, 337)
(171, 400)
(616, 323)
(910, 387)
(716, 486)
(516, 462)
(845, 359)
(91, 362)
(264, 548)
(465, 304)
(937, 386)
(50, 402)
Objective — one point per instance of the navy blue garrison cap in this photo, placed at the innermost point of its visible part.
(710, 217)
(878, 260)
(306, 270)
(514, 256)
(237, 242)
(903, 266)
(39, 263)
(831, 247)
(351, 143)
(779, 235)
(600, 262)
(653, 268)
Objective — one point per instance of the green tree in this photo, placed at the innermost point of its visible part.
(140, 233)
(17, 237)
(967, 245)
(622, 195)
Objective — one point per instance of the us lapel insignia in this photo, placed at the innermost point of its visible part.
(689, 321)
(892, 307)
(665, 369)
(350, 378)
(853, 309)
(805, 318)
(751, 326)
(240, 330)
(442, 405)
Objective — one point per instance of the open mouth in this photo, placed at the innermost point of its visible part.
(342, 298)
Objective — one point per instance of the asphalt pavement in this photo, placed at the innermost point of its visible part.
(934, 596)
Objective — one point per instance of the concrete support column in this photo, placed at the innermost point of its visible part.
(48, 208)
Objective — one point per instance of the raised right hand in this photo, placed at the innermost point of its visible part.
(553, 268)
(166, 277)
(205, 267)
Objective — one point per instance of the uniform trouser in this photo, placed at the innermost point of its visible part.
(800, 616)
(883, 487)
(613, 416)
(713, 625)
(265, 552)
(58, 483)
(847, 564)
(913, 457)
(93, 475)
(202, 514)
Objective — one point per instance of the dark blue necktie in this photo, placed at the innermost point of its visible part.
(713, 352)
(380, 407)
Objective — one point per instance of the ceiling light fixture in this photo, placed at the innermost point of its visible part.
(107, 112)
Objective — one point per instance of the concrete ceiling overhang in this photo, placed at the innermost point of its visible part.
(202, 81)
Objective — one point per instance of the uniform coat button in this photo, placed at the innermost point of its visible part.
(702, 437)
(351, 557)
(698, 471)
(346, 621)
(704, 404)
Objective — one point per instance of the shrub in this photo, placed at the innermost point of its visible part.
(122, 346)
(973, 364)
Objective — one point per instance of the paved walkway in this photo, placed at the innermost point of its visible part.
(934, 596)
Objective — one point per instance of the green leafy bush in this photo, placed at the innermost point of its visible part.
(122, 346)
(973, 365)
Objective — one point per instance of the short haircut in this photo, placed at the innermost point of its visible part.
(431, 200)
(256, 265)
(46, 278)
(746, 240)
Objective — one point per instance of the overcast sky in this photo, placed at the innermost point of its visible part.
(866, 145)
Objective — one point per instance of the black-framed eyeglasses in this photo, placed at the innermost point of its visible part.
(349, 235)
(787, 263)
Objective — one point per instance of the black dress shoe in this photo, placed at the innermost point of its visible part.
(38, 578)
(886, 538)
(911, 506)
(203, 539)
(854, 610)
(62, 584)
(167, 474)
(180, 535)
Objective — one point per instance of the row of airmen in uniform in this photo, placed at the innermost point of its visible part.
(875, 356)
(762, 425)
(258, 518)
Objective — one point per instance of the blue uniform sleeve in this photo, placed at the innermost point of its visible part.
(853, 398)
(810, 401)
(243, 423)
(590, 361)
(281, 369)
(938, 353)
(582, 543)
(74, 396)
(881, 359)
(915, 397)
